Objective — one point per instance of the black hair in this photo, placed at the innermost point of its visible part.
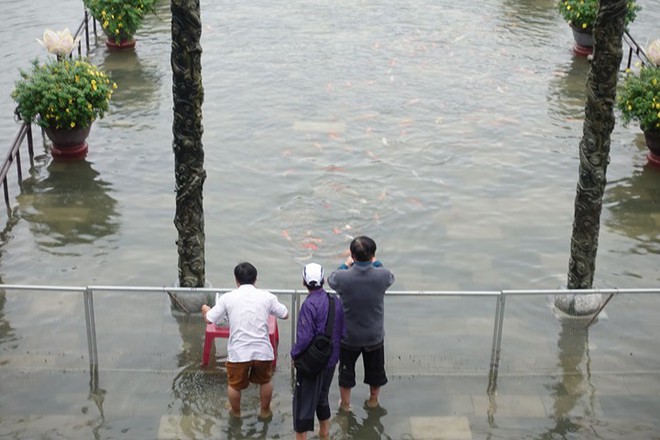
(313, 285)
(245, 273)
(363, 248)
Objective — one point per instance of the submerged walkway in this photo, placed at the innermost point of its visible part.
(557, 378)
(152, 405)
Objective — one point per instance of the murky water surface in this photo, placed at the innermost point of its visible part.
(448, 131)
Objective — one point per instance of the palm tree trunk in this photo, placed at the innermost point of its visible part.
(594, 153)
(188, 95)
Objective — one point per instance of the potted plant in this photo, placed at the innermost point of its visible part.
(581, 16)
(63, 95)
(639, 100)
(120, 19)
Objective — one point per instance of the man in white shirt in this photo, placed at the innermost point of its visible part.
(249, 352)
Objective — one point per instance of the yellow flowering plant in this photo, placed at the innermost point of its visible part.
(581, 14)
(639, 98)
(120, 19)
(63, 93)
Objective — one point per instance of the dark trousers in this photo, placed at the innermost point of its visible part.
(310, 397)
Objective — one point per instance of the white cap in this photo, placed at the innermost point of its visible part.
(313, 275)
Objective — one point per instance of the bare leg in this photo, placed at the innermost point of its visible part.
(345, 403)
(324, 428)
(301, 435)
(373, 397)
(266, 394)
(234, 401)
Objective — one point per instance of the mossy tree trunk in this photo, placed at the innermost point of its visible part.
(594, 152)
(188, 95)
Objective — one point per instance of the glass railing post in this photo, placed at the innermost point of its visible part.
(293, 316)
(497, 343)
(91, 328)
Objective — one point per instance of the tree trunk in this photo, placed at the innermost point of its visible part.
(594, 155)
(188, 95)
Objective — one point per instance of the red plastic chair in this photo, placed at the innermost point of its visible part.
(213, 331)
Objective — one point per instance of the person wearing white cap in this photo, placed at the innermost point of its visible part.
(310, 396)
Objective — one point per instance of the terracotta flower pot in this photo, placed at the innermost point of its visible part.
(68, 143)
(652, 138)
(123, 44)
(125, 41)
(584, 41)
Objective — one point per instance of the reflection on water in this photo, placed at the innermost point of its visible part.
(137, 85)
(242, 429)
(191, 328)
(535, 17)
(195, 392)
(97, 396)
(6, 332)
(573, 393)
(66, 203)
(367, 428)
(634, 204)
(566, 94)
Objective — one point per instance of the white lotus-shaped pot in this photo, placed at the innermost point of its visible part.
(58, 43)
(653, 52)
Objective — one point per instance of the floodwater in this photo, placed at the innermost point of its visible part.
(448, 131)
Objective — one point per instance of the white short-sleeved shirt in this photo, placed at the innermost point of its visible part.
(247, 309)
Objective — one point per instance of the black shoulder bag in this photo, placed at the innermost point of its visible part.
(317, 354)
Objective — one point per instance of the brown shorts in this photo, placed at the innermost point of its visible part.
(240, 374)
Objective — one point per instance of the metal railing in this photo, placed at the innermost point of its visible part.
(635, 49)
(14, 156)
(498, 319)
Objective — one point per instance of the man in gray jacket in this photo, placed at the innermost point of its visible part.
(361, 283)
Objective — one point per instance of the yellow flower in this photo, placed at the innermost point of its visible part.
(73, 124)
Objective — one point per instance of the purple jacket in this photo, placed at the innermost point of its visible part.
(311, 321)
